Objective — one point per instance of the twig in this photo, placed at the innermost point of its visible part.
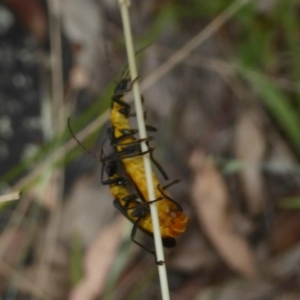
(202, 36)
(10, 197)
(225, 69)
(147, 162)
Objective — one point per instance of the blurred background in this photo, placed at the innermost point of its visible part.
(220, 83)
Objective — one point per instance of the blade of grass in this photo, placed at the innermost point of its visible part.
(279, 105)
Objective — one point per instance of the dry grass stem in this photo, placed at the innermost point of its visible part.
(10, 197)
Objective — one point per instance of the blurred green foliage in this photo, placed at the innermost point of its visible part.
(262, 43)
(289, 203)
(268, 44)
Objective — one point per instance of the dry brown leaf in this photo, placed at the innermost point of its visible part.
(98, 261)
(281, 157)
(210, 198)
(250, 147)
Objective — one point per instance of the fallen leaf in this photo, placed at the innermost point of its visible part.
(98, 261)
(250, 148)
(210, 198)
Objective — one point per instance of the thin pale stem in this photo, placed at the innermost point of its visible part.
(10, 197)
(142, 134)
(195, 42)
